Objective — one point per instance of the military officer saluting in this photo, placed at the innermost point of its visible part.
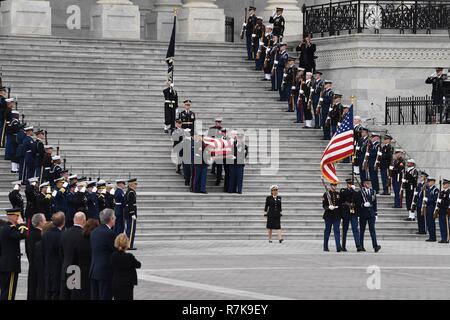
(437, 80)
(187, 116)
(443, 209)
(170, 107)
(29, 156)
(11, 233)
(366, 204)
(59, 196)
(130, 212)
(15, 198)
(39, 152)
(92, 201)
(278, 22)
(349, 215)
(331, 202)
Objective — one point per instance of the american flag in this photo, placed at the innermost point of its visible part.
(340, 147)
(219, 148)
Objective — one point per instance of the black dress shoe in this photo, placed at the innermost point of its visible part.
(338, 250)
(270, 241)
(132, 249)
(443, 241)
(206, 192)
(409, 219)
(377, 248)
(326, 250)
(360, 249)
(430, 240)
(281, 240)
(419, 232)
(186, 183)
(343, 249)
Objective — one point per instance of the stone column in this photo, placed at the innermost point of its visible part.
(25, 17)
(160, 20)
(201, 20)
(292, 14)
(115, 19)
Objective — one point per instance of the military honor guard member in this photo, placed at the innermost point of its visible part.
(119, 199)
(11, 233)
(259, 32)
(187, 116)
(374, 149)
(59, 196)
(305, 94)
(130, 211)
(92, 201)
(349, 215)
(170, 107)
(200, 165)
(429, 205)
(437, 94)
(218, 132)
(279, 64)
(418, 203)
(331, 202)
(387, 157)
(3, 106)
(44, 200)
(39, 151)
(273, 212)
(334, 113)
(29, 158)
(317, 87)
(398, 172)
(177, 138)
(237, 164)
(15, 198)
(278, 22)
(31, 195)
(325, 103)
(410, 185)
(12, 129)
(289, 84)
(443, 209)
(362, 148)
(366, 204)
(266, 53)
(249, 35)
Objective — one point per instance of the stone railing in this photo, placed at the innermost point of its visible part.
(374, 16)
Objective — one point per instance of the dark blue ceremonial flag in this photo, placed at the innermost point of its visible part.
(170, 56)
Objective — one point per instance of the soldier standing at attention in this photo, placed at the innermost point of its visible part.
(187, 116)
(361, 149)
(92, 201)
(387, 154)
(10, 235)
(317, 88)
(119, 199)
(130, 211)
(335, 113)
(278, 22)
(279, 64)
(44, 201)
(324, 109)
(217, 165)
(418, 201)
(366, 204)
(398, 172)
(170, 107)
(305, 93)
(331, 202)
(430, 200)
(273, 211)
(31, 194)
(290, 85)
(249, 35)
(101, 195)
(259, 32)
(410, 186)
(29, 160)
(39, 152)
(373, 155)
(349, 215)
(443, 207)
(266, 52)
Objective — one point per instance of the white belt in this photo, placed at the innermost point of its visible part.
(169, 101)
(118, 204)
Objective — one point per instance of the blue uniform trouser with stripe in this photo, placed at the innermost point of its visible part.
(353, 220)
(384, 179)
(119, 227)
(249, 47)
(431, 223)
(131, 230)
(443, 226)
(373, 173)
(335, 223)
(363, 221)
(420, 218)
(396, 184)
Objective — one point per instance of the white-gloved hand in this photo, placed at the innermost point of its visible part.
(94, 189)
(403, 180)
(353, 187)
(367, 204)
(253, 35)
(302, 92)
(379, 153)
(391, 167)
(133, 217)
(244, 24)
(54, 193)
(65, 184)
(293, 88)
(112, 191)
(321, 99)
(425, 199)
(331, 207)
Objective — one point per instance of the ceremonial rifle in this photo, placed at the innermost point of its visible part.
(365, 164)
(327, 192)
(437, 209)
(378, 160)
(300, 100)
(244, 25)
(64, 163)
(311, 93)
(319, 105)
(23, 119)
(424, 203)
(57, 149)
(402, 187)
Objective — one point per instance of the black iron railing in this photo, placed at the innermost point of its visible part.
(415, 110)
(229, 29)
(355, 16)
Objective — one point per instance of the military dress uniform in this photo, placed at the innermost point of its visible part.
(170, 108)
(278, 25)
(59, 200)
(31, 194)
(374, 148)
(200, 170)
(410, 185)
(16, 200)
(366, 204)
(437, 93)
(430, 200)
(44, 201)
(387, 153)
(305, 92)
(258, 31)
(349, 215)
(20, 152)
(187, 118)
(332, 218)
(10, 237)
(249, 35)
(279, 64)
(443, 206)
(71, 205)
(417, 206)
(119, 199)
(29, 159)
(130, 213)
(266, 55)
(317, 88)
(290, 87)
(273, 213)
(398, 171)
(39, 152)
(361, 149)
(92, 202)
(334, 116)
(14, 127)
(237, 166)
(325, 106)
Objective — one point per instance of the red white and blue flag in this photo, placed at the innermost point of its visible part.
(219, 148)
(339, 147)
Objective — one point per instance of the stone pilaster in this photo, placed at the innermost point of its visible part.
(159, 21)
(201, 20)
(115, 19)
(25, 17)
(292, 14)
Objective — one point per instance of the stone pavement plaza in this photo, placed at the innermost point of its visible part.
(297, 269)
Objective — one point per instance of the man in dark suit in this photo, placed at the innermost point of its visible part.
(307, 56)
(10, 235)
(51, 242)
(102, 245)
(37, 221)
(70, 238)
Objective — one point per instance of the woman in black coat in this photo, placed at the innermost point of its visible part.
(124, 267)
(273, 213)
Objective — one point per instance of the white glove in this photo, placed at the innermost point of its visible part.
(302, 92)
(244, 24)
(321, 99)
(103, 191)
(54, 193)
(331, 207)
(275, 62)
(284, 74)
(112, 191)
(367, 204)
(253, 35)
(425, 199)
(94, 189)
(133, 217)
(353, 187)
(16, 187)
(391, 167)
(439, 200)
(403, 180)
(379, 153)
(293, 88)
(415, 193)
(49, 189)
(261, 43)
(83, 189)
(65, 185)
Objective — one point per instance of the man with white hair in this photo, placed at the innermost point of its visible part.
(70, 238)
(38, 222)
